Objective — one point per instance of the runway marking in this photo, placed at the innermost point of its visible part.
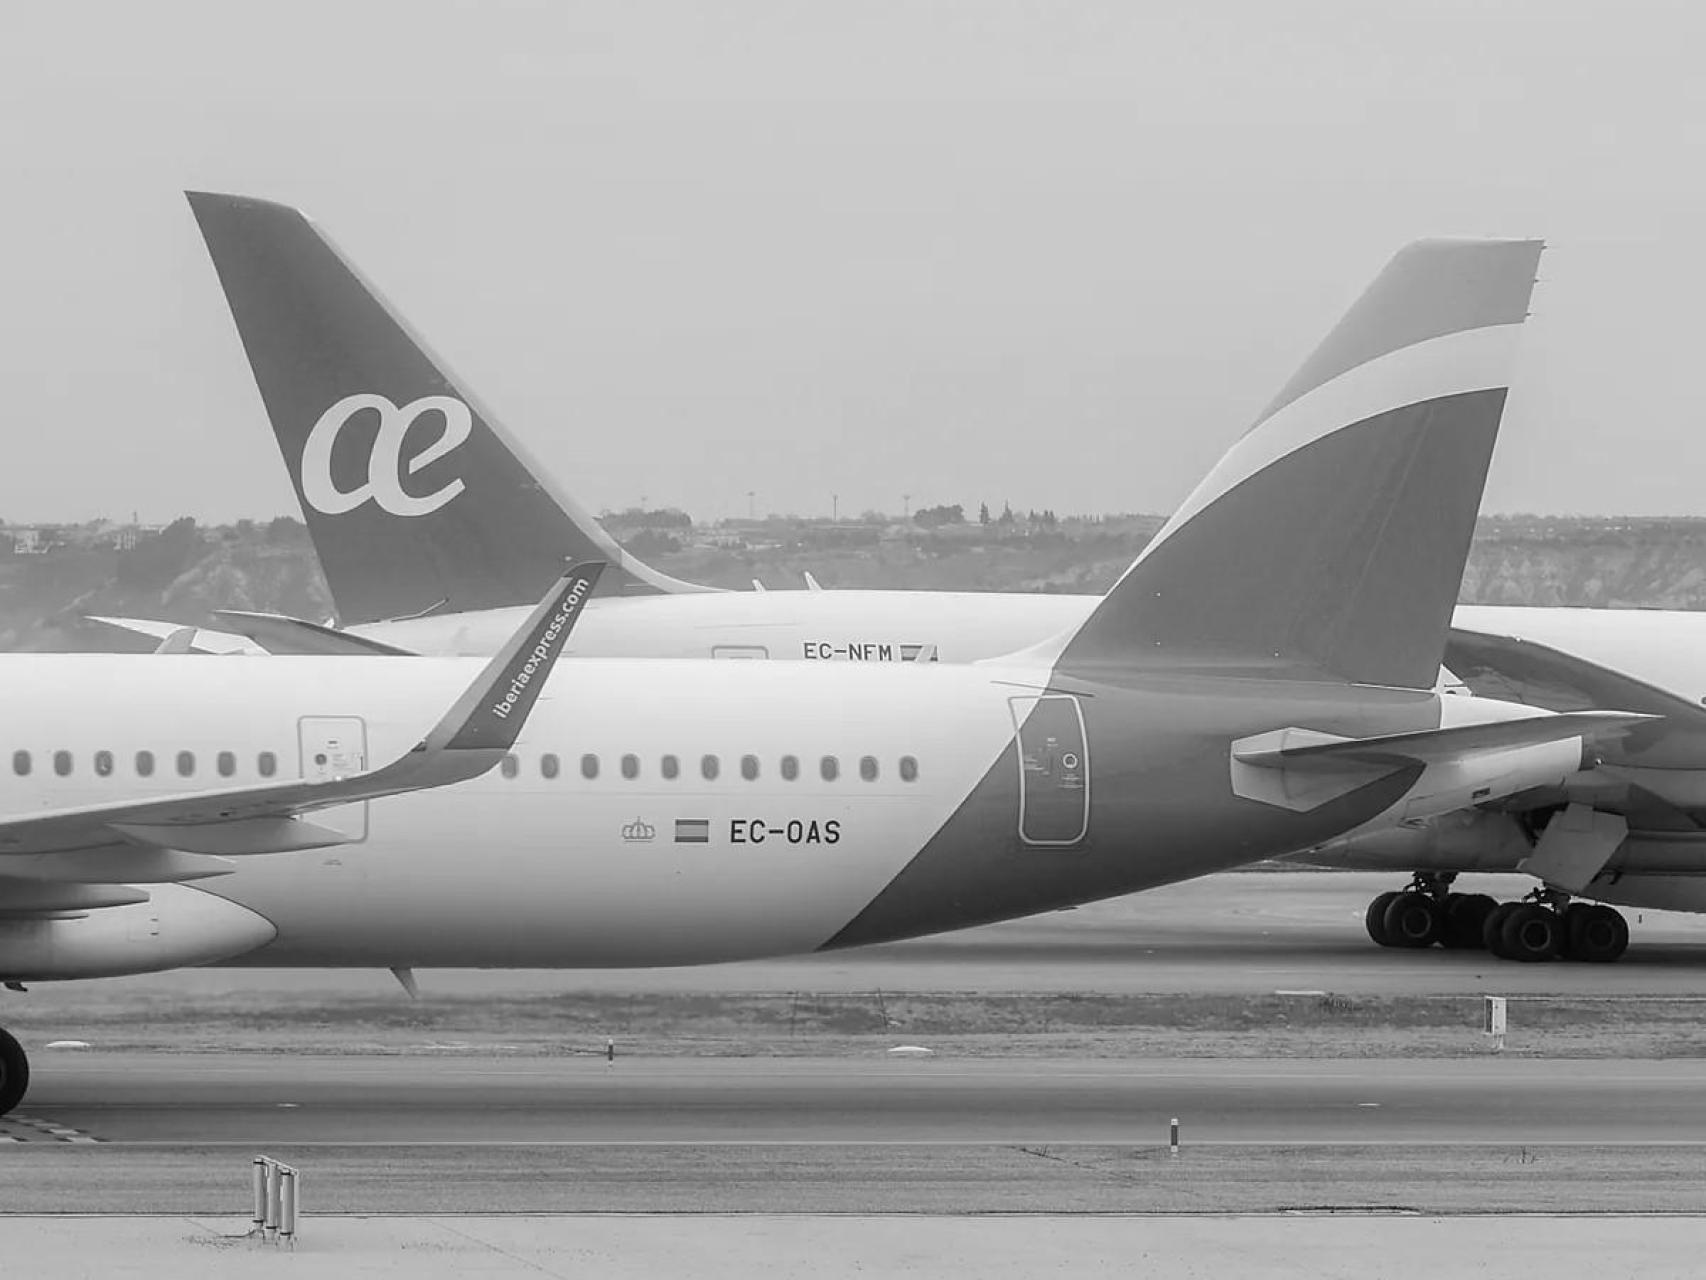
(41, 1130)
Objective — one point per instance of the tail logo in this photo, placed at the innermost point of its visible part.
(385, 467)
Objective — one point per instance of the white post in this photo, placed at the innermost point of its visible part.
(274, 1192)
(1494, 1024)
(259, 1222)
(291, 1181)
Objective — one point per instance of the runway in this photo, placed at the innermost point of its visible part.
(174, 1133)
(205, 1100)
(416, 1125)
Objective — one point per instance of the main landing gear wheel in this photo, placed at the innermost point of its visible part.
(1374, 919)
(1594, 933)
(1413, 920)
(1532, 933)
(1493, 928)
(1465, 921)
(14, 1072)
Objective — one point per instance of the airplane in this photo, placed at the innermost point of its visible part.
(1631, 832)
(1261, 680)
(427, 547)
(435, 581)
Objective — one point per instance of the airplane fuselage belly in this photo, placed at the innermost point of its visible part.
(920, 828)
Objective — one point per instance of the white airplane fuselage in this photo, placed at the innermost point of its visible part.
(543, 865)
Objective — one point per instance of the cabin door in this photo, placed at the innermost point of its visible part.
(335, 747)
(1054, 769)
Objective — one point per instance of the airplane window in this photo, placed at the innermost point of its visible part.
(62, 763)
(670, 767)
(749, 767)
(868, 768)
(227, 764)
(708, 766)
(908, 769)
(266, 764)
(509, 766)
(830, 768)
(144, 764)
(790, 767)
(186, 763)
(21, 763)
(630, 767)
(104, 763)
(589, 766)
(549, 765)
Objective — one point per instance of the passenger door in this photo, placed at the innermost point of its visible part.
(1054, 769)
(335, 747)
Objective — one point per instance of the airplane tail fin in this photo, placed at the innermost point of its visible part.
(1329, 541)
(416, 497)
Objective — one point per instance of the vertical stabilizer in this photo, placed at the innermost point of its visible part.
(416, 497)
(1329, 541)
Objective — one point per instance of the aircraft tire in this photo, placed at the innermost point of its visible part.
(1465, 920)
(1532, 933)
(1413, 920)
(1374, 919)
(1595, 934)
(14, 1072)
(1493, 929)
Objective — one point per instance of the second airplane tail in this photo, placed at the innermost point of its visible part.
(416, 497)
(1329, 541)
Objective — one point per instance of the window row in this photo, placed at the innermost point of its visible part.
(142, 764)
(711, 767)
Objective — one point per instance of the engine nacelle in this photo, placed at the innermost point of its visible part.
(176, 927)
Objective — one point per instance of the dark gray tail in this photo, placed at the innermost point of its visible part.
(416, 497)
(1329, 541)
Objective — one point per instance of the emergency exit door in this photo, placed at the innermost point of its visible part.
(335, 747)
(1054, 769)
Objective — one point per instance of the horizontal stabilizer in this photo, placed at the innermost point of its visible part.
(279, 633)
(1305, 749)
(204, 641)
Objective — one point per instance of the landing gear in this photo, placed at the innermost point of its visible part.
(14, 1072)
(1544, 926)
(1417, 917)
(1528, 932)
(1596, 934)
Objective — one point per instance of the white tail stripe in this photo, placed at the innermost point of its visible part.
(1470, 360)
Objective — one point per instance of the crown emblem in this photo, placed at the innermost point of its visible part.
(639, 831)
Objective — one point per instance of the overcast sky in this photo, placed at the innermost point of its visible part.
(1052, 253)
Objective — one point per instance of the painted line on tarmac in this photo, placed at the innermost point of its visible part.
(35, 1130)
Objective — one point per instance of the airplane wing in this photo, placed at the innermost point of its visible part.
(467, 741)
(280, 633)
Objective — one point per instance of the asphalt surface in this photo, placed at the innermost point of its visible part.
(244, 1100)
(172, 1132)
(715, 1247)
